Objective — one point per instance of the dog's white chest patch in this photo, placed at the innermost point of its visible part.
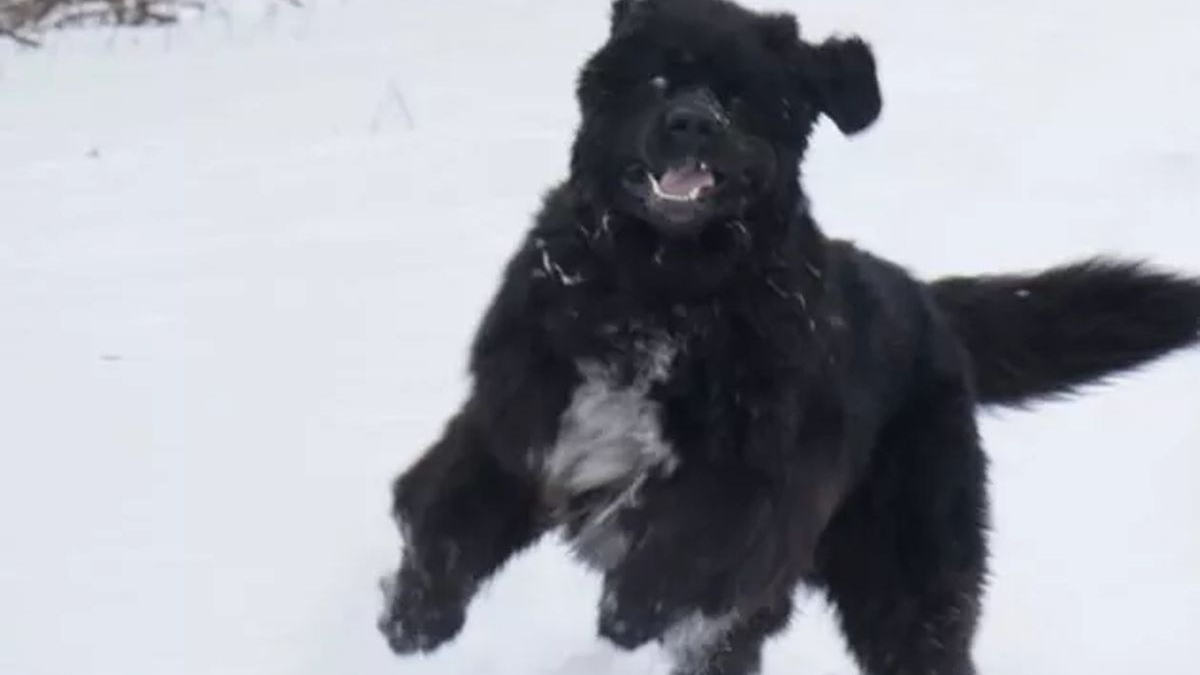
(692, 641)
(610, 439)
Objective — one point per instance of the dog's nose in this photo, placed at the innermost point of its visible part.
(690, 124)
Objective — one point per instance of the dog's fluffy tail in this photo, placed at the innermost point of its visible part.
(1044, 335)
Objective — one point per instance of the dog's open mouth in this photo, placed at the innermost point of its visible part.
(678, 196)
(687, 183)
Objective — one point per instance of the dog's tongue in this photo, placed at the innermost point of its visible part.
(685, 181)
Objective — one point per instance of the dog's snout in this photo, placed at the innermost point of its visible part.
(692, 120)
(690, 124)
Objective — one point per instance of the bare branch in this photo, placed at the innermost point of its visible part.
(18, 38)
(19, 19)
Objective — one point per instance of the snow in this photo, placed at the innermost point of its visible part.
(229, 317)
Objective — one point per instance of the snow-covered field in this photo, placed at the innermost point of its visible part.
(229, 314)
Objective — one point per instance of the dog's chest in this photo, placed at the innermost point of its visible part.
(610, 442)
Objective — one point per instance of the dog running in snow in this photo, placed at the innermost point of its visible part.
(714, 403)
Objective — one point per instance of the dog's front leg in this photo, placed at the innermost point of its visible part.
(691, 535)
(721, 544)
(475, 498)
(707, 536)
(461, 515)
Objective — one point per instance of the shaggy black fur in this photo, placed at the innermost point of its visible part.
(816, 405)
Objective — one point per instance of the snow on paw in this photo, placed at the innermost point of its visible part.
(416, 619)
(630, 621)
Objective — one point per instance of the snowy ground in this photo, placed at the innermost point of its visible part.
(218, 339)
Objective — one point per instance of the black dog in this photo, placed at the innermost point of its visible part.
(715, 403)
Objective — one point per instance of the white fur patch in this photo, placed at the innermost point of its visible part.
(607, 435)
(610, 437)
(694, 640)
(611, 433)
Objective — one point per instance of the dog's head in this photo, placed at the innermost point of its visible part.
(696, 112)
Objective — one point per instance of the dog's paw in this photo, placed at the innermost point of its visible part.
(631, 621)
(416, 619)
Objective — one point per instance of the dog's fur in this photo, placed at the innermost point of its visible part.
(714, 403)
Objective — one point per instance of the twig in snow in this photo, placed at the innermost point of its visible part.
(396, 97)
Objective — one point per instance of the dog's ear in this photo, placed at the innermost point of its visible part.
(842, 73)
(839, 74)
(625, 10)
